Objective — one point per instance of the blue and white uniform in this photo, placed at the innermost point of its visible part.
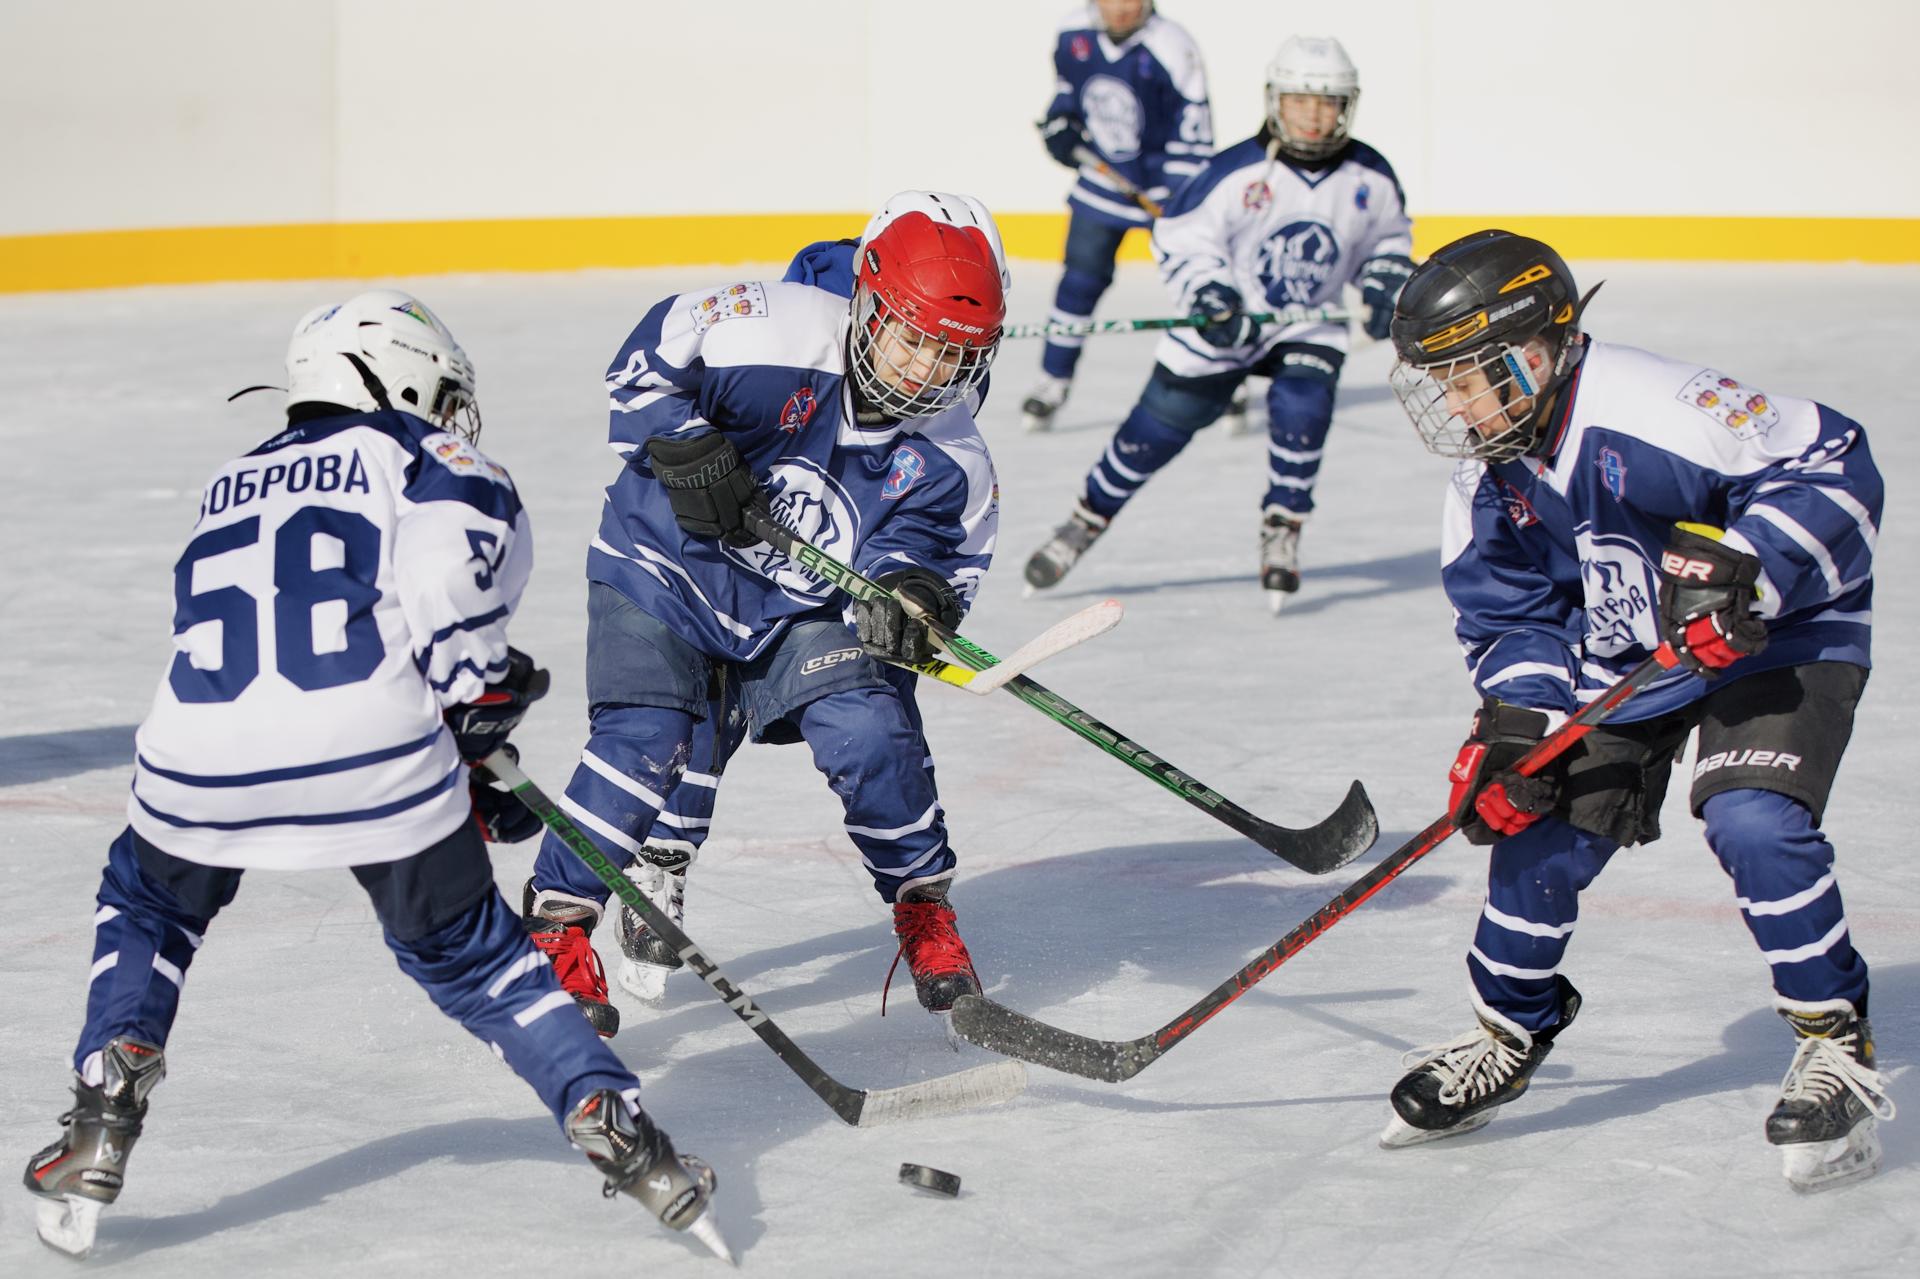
(1550, 563)
(1143, 105)
(347, 580)
(1281, 232)
(765, 362)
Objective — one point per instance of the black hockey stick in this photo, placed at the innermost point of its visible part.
(863, 1107)
(990, 1025)
(1326, 846)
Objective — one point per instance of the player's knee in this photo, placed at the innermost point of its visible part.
(1757, 829)
(1302, 407)
(1080, 290)
(1181, 405)
(1091, 250)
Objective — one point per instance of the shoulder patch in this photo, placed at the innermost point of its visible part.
(1733, 404)
(904, 470)
(462, 458)
(736, 301)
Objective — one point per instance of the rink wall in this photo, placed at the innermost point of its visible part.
(276, 139)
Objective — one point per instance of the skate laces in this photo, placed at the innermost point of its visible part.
(929, 942)
(575, 963)
(1821, 1068)
(1475, 1065)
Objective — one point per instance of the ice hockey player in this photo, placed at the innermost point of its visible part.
(660, 868)
(1611, 499)
(340, 654)
(1286, 218)
(1129, 110)
(851, 423)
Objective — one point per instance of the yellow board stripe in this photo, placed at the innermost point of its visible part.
(362, 250)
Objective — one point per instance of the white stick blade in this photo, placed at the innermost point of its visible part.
(1095, 619)
(981, 1086)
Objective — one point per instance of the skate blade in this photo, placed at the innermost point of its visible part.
(703, 1229)
(954, 1041)
(1814, 1166)
(68, 1224)
(1036, 425)
(645, 982)
(1276, 600)
(1399, 1134)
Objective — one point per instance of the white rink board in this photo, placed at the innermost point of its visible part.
(321, 1118)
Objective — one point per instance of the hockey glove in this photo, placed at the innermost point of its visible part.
(498, 812)
(1224, 322)
(708, 485)
(885, 628)
(1490, 801)
(1063, 135)
(480, 727)
(1381, 280)
(1707, 594)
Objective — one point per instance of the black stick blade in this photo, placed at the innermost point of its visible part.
(997, 1028)
(1326, 846)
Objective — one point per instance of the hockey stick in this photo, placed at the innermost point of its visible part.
(1087, 159)
(861, 1107)
(981, 1021)
(1089, 328)
(1091, 621)
(1326, 846)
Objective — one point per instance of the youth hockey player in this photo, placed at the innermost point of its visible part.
(1285, 218)
(660, 867)
(853, 425)
(340, 648)
(1612, 499)
(1130, 92)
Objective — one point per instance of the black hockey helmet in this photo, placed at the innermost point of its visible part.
(1484, 331)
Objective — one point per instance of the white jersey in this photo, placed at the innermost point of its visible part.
(347, 580)
(1282, 233)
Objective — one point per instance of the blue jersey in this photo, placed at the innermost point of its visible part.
(1550, 562)
(1143, 104)
(765, 363)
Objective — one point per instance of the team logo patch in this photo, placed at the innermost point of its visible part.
(797, 410)
(1081, 48)
(817, 508)
(1621, 590)
(736, 301)
(1257, 196)
(1114, 117)
(1519, 510)
(415, 310)
(904, 469)
(1297, 261)
(1613, 473)
(1734, 405)
(462, 458)
(1361, 194)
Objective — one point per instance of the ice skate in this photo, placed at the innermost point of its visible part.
(81, 1173)
(639, 1160)
(1279, 557)
(1454, 1086)
(1831, 1100)
(941, 967)
(1070, 541)
(562, 927)
(1036, 412)
(660, 872)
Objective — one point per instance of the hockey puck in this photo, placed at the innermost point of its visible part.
(921, 1177)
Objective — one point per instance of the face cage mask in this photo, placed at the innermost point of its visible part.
(895, 365)
(1422, 391)
(454, 411)
(1317, 148)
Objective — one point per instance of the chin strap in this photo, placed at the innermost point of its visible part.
(373, 385)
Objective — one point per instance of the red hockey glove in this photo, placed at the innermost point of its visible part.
(1488, 800)
(1707, 593)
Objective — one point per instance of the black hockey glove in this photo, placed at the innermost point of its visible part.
(499, 813)
(887, 631)
(708, 485)
(480, 727)
(1226, 324)
(1707, 594)
(1062, 134)
(1488, 800)
(1381, 280)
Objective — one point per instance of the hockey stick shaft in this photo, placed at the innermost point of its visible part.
(976, 1086)
(993, 1026)
(1088, 159)
(1349, 831)
(1092, 328)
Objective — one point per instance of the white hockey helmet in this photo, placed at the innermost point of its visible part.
(1316, 65)
(953, 210)
(383, 349)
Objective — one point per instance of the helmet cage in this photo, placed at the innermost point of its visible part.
(1480, 405)
(902, 368)
(1310, 148)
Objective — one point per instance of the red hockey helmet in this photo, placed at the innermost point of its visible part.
(927, 311)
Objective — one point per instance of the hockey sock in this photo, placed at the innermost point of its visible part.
(1141, 446)
(874, 761)
(1534, 880)
(633, 758)
(1299, 412)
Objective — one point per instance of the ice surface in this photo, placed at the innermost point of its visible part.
(322, 1118)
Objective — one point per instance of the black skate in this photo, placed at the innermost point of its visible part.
(639, 1160)
(1036, 413)
(1831, 1100)
(1279, 558)
(83, 1172)
(1070, 541)
(1454, 1086)
(660, 872)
